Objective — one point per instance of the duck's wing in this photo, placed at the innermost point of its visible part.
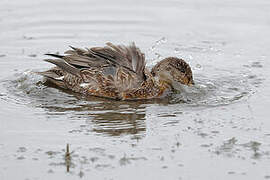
(128, 57)
(124, 65)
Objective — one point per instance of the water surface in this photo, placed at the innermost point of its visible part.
(217, 129)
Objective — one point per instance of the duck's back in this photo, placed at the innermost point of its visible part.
(112, 71)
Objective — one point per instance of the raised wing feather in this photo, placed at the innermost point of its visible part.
(125, 65)
(129, 57)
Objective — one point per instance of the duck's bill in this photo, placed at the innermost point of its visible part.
(191, 83)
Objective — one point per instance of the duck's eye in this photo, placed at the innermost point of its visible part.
(183, 70)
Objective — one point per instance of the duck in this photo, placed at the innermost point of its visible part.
(117, 72)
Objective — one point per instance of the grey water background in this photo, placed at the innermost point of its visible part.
(218, 129)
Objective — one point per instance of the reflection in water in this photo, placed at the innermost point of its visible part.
(67, 158)
(123, 123)
(102, 116)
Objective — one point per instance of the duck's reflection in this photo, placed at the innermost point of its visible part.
(116, 117)
(99, 115)
(115, 124)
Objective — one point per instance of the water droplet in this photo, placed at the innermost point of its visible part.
(176, 50)
(152, 48)
(158, 56)
(161, 41)
(198, 66)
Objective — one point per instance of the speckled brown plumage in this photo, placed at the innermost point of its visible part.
(117, 72)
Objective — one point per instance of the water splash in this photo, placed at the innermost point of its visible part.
(28, 88)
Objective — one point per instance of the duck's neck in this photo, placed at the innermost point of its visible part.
(163, 79)
(163, 86)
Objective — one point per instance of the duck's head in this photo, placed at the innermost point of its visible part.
(173, 70)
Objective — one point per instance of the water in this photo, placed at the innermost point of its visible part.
(217, 129)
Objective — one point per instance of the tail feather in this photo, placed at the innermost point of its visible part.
(55, 55)
(52, 77)
(60, 84)
(64, 66)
